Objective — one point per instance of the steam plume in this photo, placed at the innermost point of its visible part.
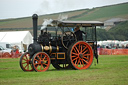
(45, 23)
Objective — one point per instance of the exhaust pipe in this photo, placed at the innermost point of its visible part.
(35, 19)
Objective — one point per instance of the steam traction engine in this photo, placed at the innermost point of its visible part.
(59, 46)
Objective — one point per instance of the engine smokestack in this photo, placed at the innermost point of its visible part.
(35, 19)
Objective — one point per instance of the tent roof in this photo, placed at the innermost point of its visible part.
(16, 37)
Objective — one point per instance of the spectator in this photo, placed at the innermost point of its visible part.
(98, 48)
(15, 52)
(123, 46)
(126, 46)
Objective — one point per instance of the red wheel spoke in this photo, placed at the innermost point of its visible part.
(36, 60)
(41, 66)
(26, 65)
(82, 63)
(39, 57)
(24, 62)
(26, 57)
(84, 49)
(74, 58)
(78, 62)
(75, 53)
(44, 57)
(77, 49)
(75, 62)
(45, 61)
(85, 58)
(86, 54)
(85, 61)
(45, 64)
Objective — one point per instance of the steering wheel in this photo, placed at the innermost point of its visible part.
(68, 38)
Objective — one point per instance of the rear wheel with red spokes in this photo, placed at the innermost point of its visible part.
(41, 61)
(25, 62)
(80, 55)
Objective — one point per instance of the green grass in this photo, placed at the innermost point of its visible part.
(111, 70)
(103, 13)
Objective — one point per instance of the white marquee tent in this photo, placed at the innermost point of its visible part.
(16, 38)
(112, 42)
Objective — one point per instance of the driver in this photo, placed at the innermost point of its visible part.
(79, 33)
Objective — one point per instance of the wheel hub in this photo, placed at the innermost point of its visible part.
(81, 55)
(30, 62)
(42, 62)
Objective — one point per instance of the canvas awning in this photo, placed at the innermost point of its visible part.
(16, 37)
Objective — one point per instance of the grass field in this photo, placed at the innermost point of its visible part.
(104, 13)
(111, 70)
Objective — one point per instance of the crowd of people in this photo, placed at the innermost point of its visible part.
(113, 46)
(15, 52)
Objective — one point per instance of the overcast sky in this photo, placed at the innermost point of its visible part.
(25, 8)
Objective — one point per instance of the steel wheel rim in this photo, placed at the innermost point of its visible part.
(81, 55)
(25, 62)
(41, 62)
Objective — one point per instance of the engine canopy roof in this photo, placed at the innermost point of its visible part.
(77, 23)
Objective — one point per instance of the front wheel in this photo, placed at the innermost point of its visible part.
(41, 62)
(25, 62)
(80, 55)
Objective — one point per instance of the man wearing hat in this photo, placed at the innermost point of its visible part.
(79, 33)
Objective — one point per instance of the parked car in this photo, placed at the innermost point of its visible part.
(5, 45)
(5, 53)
